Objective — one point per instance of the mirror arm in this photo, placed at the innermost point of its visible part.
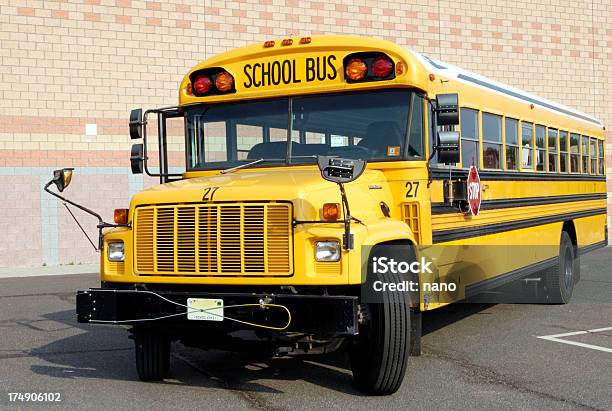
(88, 211)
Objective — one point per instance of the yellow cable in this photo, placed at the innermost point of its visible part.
(259, 325)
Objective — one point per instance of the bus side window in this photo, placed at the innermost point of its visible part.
(574, 153)
(512, 148)
(563, 142)
(593, 150)
(470, 153)
(492, 140)
(527, 145)
(585, 154)
(541, 147)
(553, 149)
(602, 163)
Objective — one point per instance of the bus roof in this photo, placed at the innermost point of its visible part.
(473, 79)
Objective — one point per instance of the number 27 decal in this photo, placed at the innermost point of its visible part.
(412, 188)
(209, 193)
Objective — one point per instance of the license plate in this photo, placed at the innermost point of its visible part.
(213, 307)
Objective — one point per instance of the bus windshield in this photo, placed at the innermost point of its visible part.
(375, 126)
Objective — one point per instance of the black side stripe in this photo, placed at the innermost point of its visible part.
(492, 175)
(473, 290)
(592, 247)
(527, 98)
(442, 236)
(442, 208)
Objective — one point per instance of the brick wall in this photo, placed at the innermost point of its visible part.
(66, 64)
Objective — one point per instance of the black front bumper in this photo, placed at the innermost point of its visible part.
(310, 314)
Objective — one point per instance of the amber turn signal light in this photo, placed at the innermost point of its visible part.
(121, 215)
(356, 69)
(224, 82)
(331, 211)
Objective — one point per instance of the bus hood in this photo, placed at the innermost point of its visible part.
(304, 187)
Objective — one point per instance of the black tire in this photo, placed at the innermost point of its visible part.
(380, 353)
(152, 355)
(559, 280)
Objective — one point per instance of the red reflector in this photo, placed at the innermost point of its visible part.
(202, 84)
(382, 66)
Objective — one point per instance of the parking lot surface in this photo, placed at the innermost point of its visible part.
(475, 356)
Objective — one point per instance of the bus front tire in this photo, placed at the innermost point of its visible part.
(379, 355)
(152, 355)
(560, 278)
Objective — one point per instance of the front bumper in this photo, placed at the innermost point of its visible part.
(329, 316)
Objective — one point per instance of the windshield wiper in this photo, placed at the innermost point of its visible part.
(259, 160)
(252, 163)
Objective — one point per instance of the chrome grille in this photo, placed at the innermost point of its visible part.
(214, 239)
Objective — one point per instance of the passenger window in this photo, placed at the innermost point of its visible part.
(469, 138)
(553, 149)
(540, 147)
(585, 154)
(602, 162)
(593, 151)
(512, 148)
(563, 151)
(574, 153)
(492, 140)
(527, 145)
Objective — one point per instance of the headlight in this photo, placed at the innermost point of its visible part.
(327, 251)
(115, 251)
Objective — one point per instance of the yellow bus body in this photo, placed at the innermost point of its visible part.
(415, 219)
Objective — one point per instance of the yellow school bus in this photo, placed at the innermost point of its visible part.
(311, 161)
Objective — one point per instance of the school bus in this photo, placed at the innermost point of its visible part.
(309, 159)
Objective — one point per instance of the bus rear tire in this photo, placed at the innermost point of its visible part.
(560, 278)
(152, 355)
(379, 355)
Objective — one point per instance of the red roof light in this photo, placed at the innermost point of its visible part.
(382, 66)
(202, 84)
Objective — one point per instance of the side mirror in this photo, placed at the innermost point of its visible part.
(136, 123)
(340, 170)
(448, 109)
(137, 158)
(62, 178)
(448, 147)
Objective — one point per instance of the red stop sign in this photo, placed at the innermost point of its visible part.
(473, 190)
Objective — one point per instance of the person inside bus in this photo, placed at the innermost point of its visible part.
(384, 139)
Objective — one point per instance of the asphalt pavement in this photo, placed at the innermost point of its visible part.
(475, 356)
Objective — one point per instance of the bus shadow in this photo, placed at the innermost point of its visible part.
(106, 353)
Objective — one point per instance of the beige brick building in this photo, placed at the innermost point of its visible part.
(72, 69)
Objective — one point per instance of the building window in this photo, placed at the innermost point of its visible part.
(575, 153)
(527, 145)
(563, 150)
(469, 138)
(593, 156)
(512, 148)
(585, 154)
(540, 147)
(602, 161)
(491, 140)
(553, 149)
